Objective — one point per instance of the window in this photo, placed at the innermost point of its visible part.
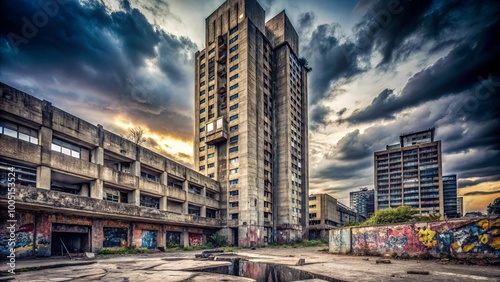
(233, 68)
(234, 160)
(202, 139)
(211, 175)
(233, 39)
(211, 51)
(202, 158)
(234, 216)
(234, 182)
(233, 30)
(233, 87)
(150, 176)
(202, 83)
(202, 111)
(202, 66)
(211, 155)
(234, 96)
(211, 116)
(65, 148)
(202, 129)
(150, 202)
(202, 92)
(202, 148)
(312, 206)
(234, 117)
(233, 171)
(233, 58)
(202, 101)
(211, 146)
(233, 128)
(233, 77)
(19, 132)
(233, 107)
(233, 149)
(202, 167)
(194, 210)
(234, 48)
(210, 88)
(202, 74)
(202, 120)
(211, 213)
(211, 165)
(233, 139)
(233, 204)
(234, 193)
(202, 57)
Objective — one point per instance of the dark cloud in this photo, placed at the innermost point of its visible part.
(306, 22)
(116, 60)
(481, 193)
(318, 116)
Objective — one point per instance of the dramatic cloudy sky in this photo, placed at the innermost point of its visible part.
(380, 68)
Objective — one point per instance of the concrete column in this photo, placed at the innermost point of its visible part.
(185, 207)
(163, 203)
(135, 168)
(185, 186)
(134, 197)
(45, 139)
(85, 190)
(164, 178)
(185, 237)
(43, 177)
(98, 156)
(96, 189)
(203, 211)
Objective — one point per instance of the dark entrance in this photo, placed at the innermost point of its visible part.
(235, 236)
(75, 238)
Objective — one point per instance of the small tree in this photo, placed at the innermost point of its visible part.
(136, 135)
(303, 62)
(494, 207)
(400, 214)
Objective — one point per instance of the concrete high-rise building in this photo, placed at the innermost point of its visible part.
(460, 206)
(363, 201)
(410, 174)
(251, 122)
(450, 196)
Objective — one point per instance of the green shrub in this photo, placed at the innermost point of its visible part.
(219, 240)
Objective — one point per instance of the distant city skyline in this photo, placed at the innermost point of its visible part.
(380, 68)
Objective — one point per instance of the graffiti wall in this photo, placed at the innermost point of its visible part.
(23, 233)
(195, 240)
(149, 239)
(115, 237)
(173, 239)
(479, 237)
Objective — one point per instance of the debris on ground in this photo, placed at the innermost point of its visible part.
(417, 272)
(383, 261)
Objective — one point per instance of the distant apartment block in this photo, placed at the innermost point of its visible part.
(450, 196)
(363, 201)
(410, 174)
(460, 206)
(251, 123)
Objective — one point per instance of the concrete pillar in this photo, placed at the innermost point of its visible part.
(43, 177)
(185, 205)
(134, 197)
(97, 234)
(163, 203)
(164, 178)
(45, 139)
(203, 211)
(85, 190)
(98, 156)
(185, 237)
(135, 168)
(96, 189)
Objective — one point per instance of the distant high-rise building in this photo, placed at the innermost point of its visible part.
(460, 206)
(450, 196)
(363, 201)
(410, 174)
(251, 122)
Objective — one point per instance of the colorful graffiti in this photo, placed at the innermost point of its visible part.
(115, 237)
(195, 240)
(454, 238)
(149, 239)
(173, 239)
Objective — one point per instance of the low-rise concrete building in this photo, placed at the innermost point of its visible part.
(77, 186)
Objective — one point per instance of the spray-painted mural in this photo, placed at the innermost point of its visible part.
(458, 238)
(149, 239)
(115, 237)
(173, 239)
(195, 240)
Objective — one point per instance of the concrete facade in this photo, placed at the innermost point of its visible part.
(251, 123)
(450, 196)
(85, 186)
(410, 173)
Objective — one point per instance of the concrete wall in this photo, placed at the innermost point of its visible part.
(463, 238)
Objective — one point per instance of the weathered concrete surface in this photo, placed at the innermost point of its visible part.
(324, 266)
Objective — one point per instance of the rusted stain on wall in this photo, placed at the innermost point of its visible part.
(458, 238)
(195, 240)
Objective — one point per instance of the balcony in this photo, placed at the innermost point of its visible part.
(216, 131)
(222, 72)
(222, 90)
(222, 59)
(222, 47)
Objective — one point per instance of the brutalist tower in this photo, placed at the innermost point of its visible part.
(251, 123)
